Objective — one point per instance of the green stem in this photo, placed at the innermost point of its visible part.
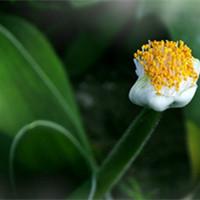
(124, 153)
(126, 150)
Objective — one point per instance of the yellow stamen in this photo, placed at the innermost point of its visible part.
(167, 63)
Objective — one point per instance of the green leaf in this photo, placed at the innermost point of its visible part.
(193, 140)
(33, 83)
(33, 148)
(123, 154)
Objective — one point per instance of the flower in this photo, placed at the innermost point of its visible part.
(167, 75)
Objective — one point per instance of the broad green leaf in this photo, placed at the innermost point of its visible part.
(123, 154)
(33, 84)
(33, 147)
(39, 58)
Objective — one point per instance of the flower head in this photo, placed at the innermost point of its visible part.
(167, 75)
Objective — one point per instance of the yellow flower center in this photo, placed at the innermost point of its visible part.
(166, 63)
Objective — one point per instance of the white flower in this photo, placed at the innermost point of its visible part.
(167, 75)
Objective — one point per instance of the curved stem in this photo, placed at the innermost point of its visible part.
(60, 130)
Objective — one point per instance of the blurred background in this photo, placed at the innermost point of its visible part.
(93, 42)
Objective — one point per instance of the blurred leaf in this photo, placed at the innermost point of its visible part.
(82, 3)
(50, 5)
(92, 187)
(33, 83)
(83, 53)
(180, 17)
(166, 10)
(184, 24)
(123, 154)
(193, 194)
(5, 141)
(132, 189)
(33, 148)
(193, 139)
(95, 37)
(87, 190)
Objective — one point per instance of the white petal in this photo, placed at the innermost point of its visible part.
(160, 103)
(184, 98)
(142, 93)
(137, 94)
(139, 68)
(165, 91)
